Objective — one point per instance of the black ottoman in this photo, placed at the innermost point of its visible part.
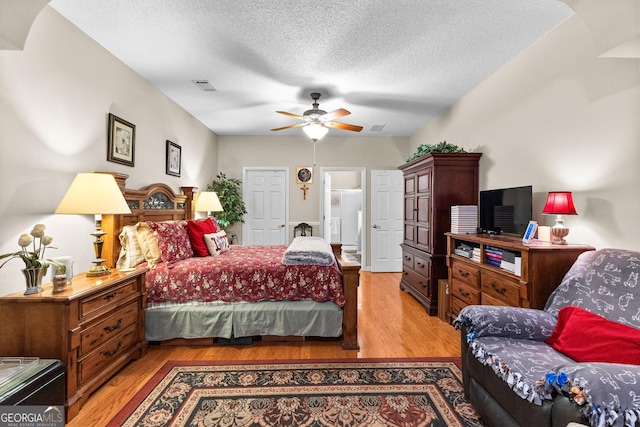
(37, 382)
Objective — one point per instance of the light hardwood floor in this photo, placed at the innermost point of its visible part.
(391, 324)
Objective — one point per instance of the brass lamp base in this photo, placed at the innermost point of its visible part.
(98, 269)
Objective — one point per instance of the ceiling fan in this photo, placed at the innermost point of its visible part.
(317, 122)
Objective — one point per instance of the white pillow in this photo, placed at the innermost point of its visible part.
(217, 243)
(130, 253)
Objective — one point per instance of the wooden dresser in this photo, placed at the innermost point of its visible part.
(432, 184)
(95, 327)
(542, 267)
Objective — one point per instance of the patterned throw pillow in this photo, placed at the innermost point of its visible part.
(148, 244)
(173, 239)
(197, 228)
(130, 253)
(217, 243)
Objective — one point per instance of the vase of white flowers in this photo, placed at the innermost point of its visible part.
(35, 263)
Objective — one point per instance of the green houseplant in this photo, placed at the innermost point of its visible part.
(441, 147)
(228, 190)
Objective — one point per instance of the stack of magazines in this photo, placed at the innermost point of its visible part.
(464, 219)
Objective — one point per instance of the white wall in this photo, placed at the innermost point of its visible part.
(55, 96)
(559, 117)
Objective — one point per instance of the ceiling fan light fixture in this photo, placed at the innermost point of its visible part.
(315, 131)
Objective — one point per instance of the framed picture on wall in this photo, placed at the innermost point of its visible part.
(174, 158)
(121, 141)
(304, 175)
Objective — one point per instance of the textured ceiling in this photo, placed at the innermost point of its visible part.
(391, 63)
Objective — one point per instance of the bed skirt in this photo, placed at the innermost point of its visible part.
(278, 318)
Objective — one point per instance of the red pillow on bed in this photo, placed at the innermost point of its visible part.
(587, 337)
(215, 224)
(197, 228)
(173, 239)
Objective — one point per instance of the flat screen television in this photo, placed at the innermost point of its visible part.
(506, 210)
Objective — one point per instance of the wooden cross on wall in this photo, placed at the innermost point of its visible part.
(304, 189)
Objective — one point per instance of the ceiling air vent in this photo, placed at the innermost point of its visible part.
(204, 85)
(377, 128)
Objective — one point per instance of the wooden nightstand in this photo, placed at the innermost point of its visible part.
(95, 327)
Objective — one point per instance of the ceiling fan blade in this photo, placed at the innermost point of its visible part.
(336, 114)
(295, 116)
(290, 126)
(344, 126)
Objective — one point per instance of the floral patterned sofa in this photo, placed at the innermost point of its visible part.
(578, 360)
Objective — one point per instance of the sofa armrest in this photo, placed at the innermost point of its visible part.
(609, 392)
(514, 322)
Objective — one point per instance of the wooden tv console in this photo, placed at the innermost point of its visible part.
(543, 265)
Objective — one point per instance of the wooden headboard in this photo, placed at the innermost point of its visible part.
(155, 202)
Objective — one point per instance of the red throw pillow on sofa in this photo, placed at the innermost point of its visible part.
(197, 228)
(587, 337)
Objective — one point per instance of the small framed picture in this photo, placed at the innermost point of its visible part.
(121, 145)
(174, 158)
(529, 232)
(304, 175)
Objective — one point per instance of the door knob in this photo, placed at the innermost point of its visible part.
(376, 226)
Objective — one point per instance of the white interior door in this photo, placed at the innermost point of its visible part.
(387, 198)
(265, 196)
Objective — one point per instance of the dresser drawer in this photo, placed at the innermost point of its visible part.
(421, 265)
(501, 288)
(115, 295)
(416, 280)
(465, 292)
(456, 306)
(107, 353)
(407, 259)
(96, 334)
(465, 272)
(489, 300)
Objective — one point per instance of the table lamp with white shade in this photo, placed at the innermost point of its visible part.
(94, 194)
(208, 202)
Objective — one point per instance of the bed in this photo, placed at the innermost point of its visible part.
(185, 313)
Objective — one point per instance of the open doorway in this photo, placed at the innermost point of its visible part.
(343, 209)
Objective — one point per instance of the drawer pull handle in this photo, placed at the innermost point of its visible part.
(463, 273)
(407, 258)
(110, 296)
(420, 265)
(464, 294)
(497, 289)
(114, 327)
(114, 351)
(423, 285)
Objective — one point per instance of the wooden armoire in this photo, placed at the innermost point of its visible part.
(432, 184)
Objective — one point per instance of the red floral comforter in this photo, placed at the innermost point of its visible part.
(244, 273)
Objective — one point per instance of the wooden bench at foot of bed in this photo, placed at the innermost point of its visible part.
(158, 202)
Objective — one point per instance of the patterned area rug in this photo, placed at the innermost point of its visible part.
(356, 392)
